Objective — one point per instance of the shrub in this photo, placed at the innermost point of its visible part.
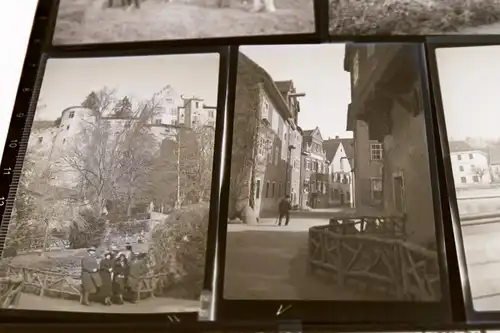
(177, 249)
(349, 17)
(87, 231)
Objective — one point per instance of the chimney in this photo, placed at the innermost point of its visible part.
(336, 137)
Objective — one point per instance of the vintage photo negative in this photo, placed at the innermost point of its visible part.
(414, 17)
(110, 21)
(112, 209)
(327, 179)
(470, 106)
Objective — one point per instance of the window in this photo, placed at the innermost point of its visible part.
(169, 100)
(211, 113)
(40, 139)
(341, 164)
(71, 114)
(308, 164)
(158, 121)
(471, 156)
(173, 122)
(265, 110)
(197, 104)
(64, 141)
(67, 127)
(472, 167)
(461, 168)
(463, 180)
(211, 123)
(459, 157)
(280, 185)
(257, 189)
(173, 111)
(296, 164)
(399, 197)
(276, 155)
(376, 151)
(262, 150)
(355, 69)
(267, 189)
(376, 188)
(335, 194)
(475, 179)
(273, 189)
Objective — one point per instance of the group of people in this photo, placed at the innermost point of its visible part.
(109, 279)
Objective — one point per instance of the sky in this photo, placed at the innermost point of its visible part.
(67, 82)
(317, 71)
(469, 79)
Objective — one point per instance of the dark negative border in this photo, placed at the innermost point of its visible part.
(319, 35)
(21, 123)
(462, 301)
(385, 314)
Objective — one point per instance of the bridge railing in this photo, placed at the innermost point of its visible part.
(393, 226)
(389, 266)
(51, 284)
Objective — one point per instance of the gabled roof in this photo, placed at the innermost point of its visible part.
(332, 145)
(308, 135)
(459, 146)
(268, 83)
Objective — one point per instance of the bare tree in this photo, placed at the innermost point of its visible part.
(112, 155)
(190, 180)
(480, 172)
(101, 101)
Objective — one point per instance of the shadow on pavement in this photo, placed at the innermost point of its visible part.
(273, 265)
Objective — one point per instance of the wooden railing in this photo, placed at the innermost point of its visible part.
(375, 261)
(388, 226)
(51, 284)
(10, 291)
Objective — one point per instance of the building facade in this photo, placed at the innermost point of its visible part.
(339, 154)
(57, 140)
(367, 166)
(315, 172)
(264, 143)
(387, 103)
(470, 166)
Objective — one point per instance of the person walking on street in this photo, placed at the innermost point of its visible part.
(284, 208)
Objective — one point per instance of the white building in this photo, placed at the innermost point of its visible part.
(340, 154)
(470, 166)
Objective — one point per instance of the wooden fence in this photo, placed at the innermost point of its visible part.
(51, 284)
(10, 291)
(375, 261)
(388, 226)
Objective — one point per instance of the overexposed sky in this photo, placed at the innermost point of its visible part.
(317, 71)
(469, 79)
(68, 81)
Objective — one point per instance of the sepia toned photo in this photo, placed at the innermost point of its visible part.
(470, 106)
(110, 21)
(331, 196)
(112, 207)
(414, 17)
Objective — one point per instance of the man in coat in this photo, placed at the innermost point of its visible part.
(137, 269)
(284, 208)
(91, 279)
